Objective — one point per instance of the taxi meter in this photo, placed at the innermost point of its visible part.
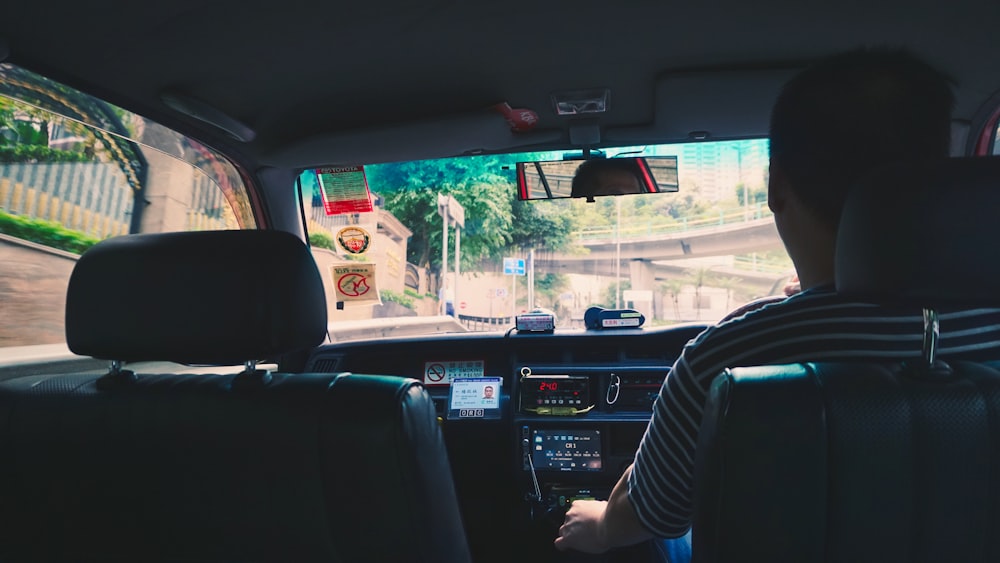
(558, 395)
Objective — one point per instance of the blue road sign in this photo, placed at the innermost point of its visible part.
(513, 266)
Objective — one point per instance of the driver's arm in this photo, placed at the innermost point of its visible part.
(663, 467)
(595, 526)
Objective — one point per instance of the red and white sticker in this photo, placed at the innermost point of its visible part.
(442, 373)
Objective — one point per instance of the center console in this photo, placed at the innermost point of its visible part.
(578, 430)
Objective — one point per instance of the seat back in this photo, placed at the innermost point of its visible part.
(859, 460)
(253, 466)
(849, 462)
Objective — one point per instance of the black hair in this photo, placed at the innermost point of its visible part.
(850, 113)
(587, 180)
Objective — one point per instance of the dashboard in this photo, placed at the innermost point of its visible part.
(531, 421)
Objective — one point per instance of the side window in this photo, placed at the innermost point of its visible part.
(75, 170)
(996, 140)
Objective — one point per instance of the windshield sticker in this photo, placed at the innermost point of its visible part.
(355, 283)
(442, 373)
(344, 190)
(354, 240)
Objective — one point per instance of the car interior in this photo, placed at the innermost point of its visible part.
(318, 282)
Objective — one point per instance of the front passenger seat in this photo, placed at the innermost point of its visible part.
(254, 466)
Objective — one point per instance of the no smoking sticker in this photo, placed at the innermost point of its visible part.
(435, 373)
(442, 373)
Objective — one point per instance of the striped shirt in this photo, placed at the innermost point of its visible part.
(815, 325)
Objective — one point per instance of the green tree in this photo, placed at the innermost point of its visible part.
(672, 288)
(730, 284)
(321, 240)
(687, 202)
(548, 288)
(610, 292)
(23, 124)
(757, 195)
(104, 129)
(698, 279)
(25, 132)
(542, 224)
(484, 186)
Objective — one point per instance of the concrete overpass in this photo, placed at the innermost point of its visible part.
(650, 257)
(599, 254)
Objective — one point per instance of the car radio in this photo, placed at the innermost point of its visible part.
(562, 450)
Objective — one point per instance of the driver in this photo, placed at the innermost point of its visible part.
(831, 124)
(612, 176)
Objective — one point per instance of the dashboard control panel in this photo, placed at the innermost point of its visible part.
(563, 449)
(633, 391)
(545, 419)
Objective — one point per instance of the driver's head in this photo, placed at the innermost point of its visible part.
(612, 176)
(834, 123)
(850, 113)
(488, 391)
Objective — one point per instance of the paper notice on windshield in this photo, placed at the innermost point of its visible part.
(355, 283)
(344, 190)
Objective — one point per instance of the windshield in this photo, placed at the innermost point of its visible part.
(449, 238)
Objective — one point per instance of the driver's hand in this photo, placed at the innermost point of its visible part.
(583, 528)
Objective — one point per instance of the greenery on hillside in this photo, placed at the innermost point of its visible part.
(319, 239)
(46, 233)
(391, 296)
(38, 153)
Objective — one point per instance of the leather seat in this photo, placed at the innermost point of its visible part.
(870, 461)
(254, 466)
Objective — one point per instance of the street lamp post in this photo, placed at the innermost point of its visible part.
(618, 255)
(450, 211)
(741, 182)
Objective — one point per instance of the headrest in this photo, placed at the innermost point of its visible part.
(211, 297)
(923, 233)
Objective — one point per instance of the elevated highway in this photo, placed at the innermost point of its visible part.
(597, 254)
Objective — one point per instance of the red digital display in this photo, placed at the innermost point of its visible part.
(567, 392)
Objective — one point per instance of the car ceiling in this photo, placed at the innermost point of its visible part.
(336, 83)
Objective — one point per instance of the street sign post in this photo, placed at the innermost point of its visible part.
(513, 267)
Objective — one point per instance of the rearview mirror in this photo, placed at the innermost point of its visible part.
(596, 177)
